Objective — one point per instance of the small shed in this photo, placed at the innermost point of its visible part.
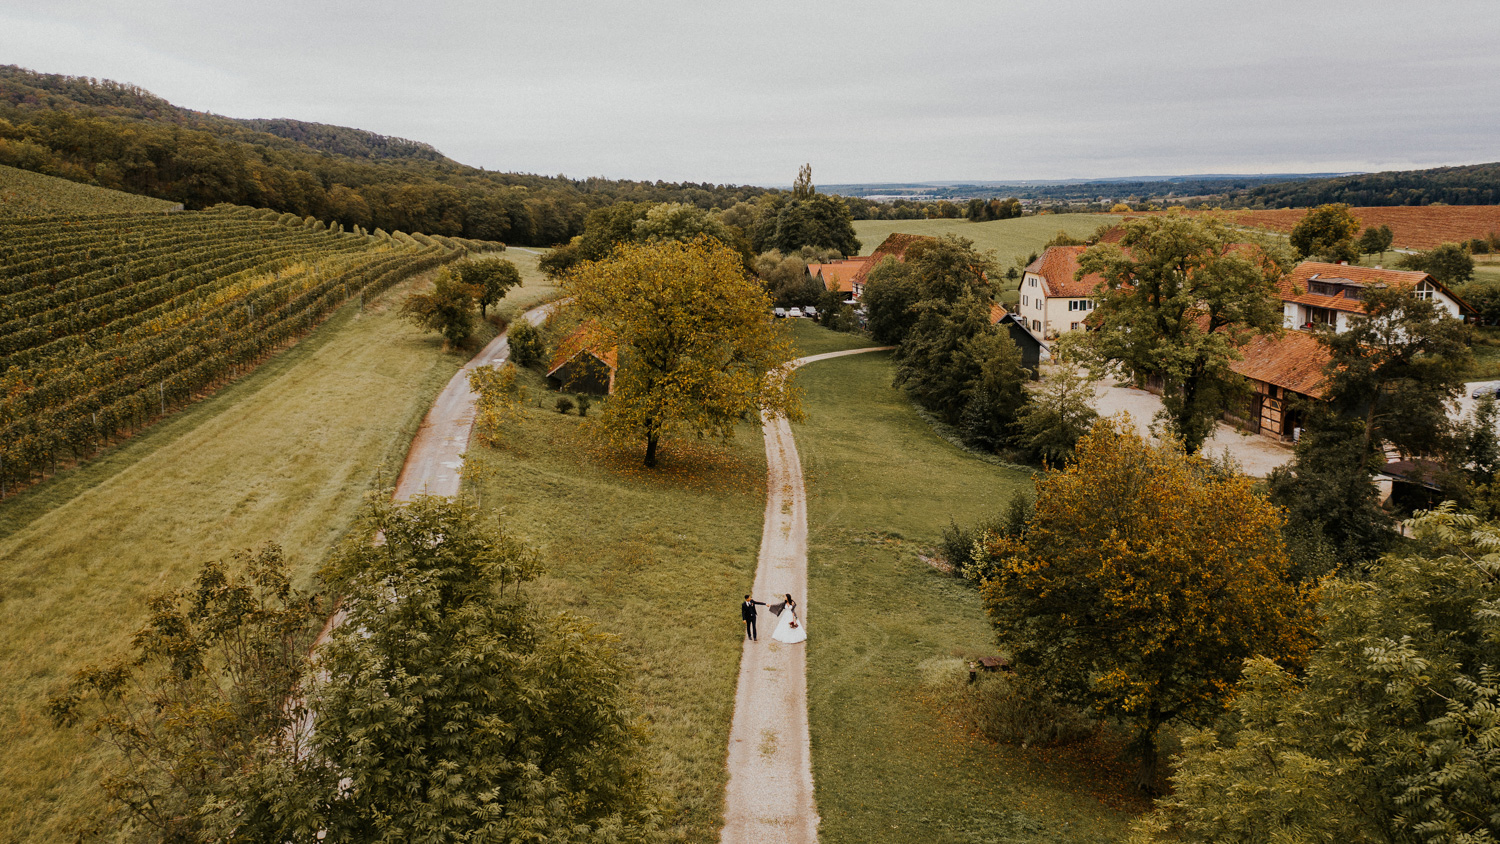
(584, 364)
(1015, 328)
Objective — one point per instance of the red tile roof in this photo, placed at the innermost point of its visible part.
(585, 338)
(1057, 268)
(1294, 285)
(997, 312)
(838, 275)
(894, 245)
(1293, 361)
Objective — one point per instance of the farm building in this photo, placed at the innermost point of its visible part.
(894, 246)
(838, 276)
(1279, 370)
(1031, 348)
(1053, 301)
(583, 364)
(1316, 294)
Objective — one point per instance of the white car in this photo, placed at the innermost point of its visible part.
(779, 312)
(794, 312)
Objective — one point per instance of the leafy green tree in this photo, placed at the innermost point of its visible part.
(526, 343)
(498, 401)
(490, 278)
(1327, 232)
(1176, 303)
(207, 693)
(1484, 298)
(1141, 583)
(1396, 367)
(803, 187)
(448, 309)
(890, 296)
(1389, 736)
(1449, 264)
(676, 221)
(602, 230)
(1059, 413)
(1333, 512)
(1479, 436)
(449, 710)
(697, 347)
(1376, 240)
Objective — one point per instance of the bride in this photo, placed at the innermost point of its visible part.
(790, 629)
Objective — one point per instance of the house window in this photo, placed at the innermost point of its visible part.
(1075, 326)
(1080, 304)
(1033, 282)
(1023, 299)
(1426, 292)
(1036, 325)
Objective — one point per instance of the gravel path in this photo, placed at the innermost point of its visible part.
(434, 462)
(769, 799)
(1256, 455)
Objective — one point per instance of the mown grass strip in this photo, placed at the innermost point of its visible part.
(285, 455)
(888, 764)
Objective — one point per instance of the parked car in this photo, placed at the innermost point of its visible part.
(810, 311)
(779, 312)
(794, 312)
(1490, 388)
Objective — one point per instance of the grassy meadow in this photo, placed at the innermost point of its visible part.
(658, 558)
(1008, 238)
(284, 455)
(889, 765)
(27, 194)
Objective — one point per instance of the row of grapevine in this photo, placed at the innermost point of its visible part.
(109, 322)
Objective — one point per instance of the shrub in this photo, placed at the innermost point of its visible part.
(583, 405)
(564, 404)
(526, 346)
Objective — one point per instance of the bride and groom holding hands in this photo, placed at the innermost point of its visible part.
(789, 629)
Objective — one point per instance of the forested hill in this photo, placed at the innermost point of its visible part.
(1475, 184)
(123, 137)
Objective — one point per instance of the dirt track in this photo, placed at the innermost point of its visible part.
(769, 799)
(436, 457)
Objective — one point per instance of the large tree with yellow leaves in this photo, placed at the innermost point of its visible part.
(1142, 582)
(698, 350)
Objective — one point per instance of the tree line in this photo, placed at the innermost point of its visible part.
(121, 137)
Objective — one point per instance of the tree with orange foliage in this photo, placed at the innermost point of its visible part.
(1143, 581)
(698, 350)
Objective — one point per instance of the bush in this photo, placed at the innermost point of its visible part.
(526, 346)
(583, 405)
(564, 404)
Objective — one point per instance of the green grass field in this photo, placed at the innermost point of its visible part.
(659, 559)
(285, 455)
(888, 764)
(1008, 238)
(27, 194)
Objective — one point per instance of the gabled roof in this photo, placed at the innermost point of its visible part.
(1293, 361)
(997, 312)
(894, 245)
(1294, 285)
(584, 339)
(1057, 268)
(838, 276)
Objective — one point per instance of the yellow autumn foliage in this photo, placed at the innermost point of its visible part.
(697, 347)
(1143, 582)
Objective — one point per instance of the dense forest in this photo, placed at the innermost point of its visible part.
(122, 137)
(1475, 184)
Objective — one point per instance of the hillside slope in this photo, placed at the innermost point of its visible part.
(121, 136)
(27, 194)
(1475, 184)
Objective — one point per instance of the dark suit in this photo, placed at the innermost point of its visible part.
(747, 612)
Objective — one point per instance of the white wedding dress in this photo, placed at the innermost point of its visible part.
(785, 632)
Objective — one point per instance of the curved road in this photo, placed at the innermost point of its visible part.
(769, 799)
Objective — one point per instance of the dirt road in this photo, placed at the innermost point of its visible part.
(434, 462)
(769, 799)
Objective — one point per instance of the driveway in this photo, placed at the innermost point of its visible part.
(1257, 455)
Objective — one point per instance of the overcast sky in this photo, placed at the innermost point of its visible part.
(866, 92)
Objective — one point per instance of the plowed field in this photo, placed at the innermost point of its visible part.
(1415, 227)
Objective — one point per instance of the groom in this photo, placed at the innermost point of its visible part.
(747, 612)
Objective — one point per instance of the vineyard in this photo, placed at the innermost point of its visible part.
(27, 194)
(1415, 226)
(108, 322)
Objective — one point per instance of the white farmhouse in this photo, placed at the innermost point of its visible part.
(1315, 294)
(1052, 300)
